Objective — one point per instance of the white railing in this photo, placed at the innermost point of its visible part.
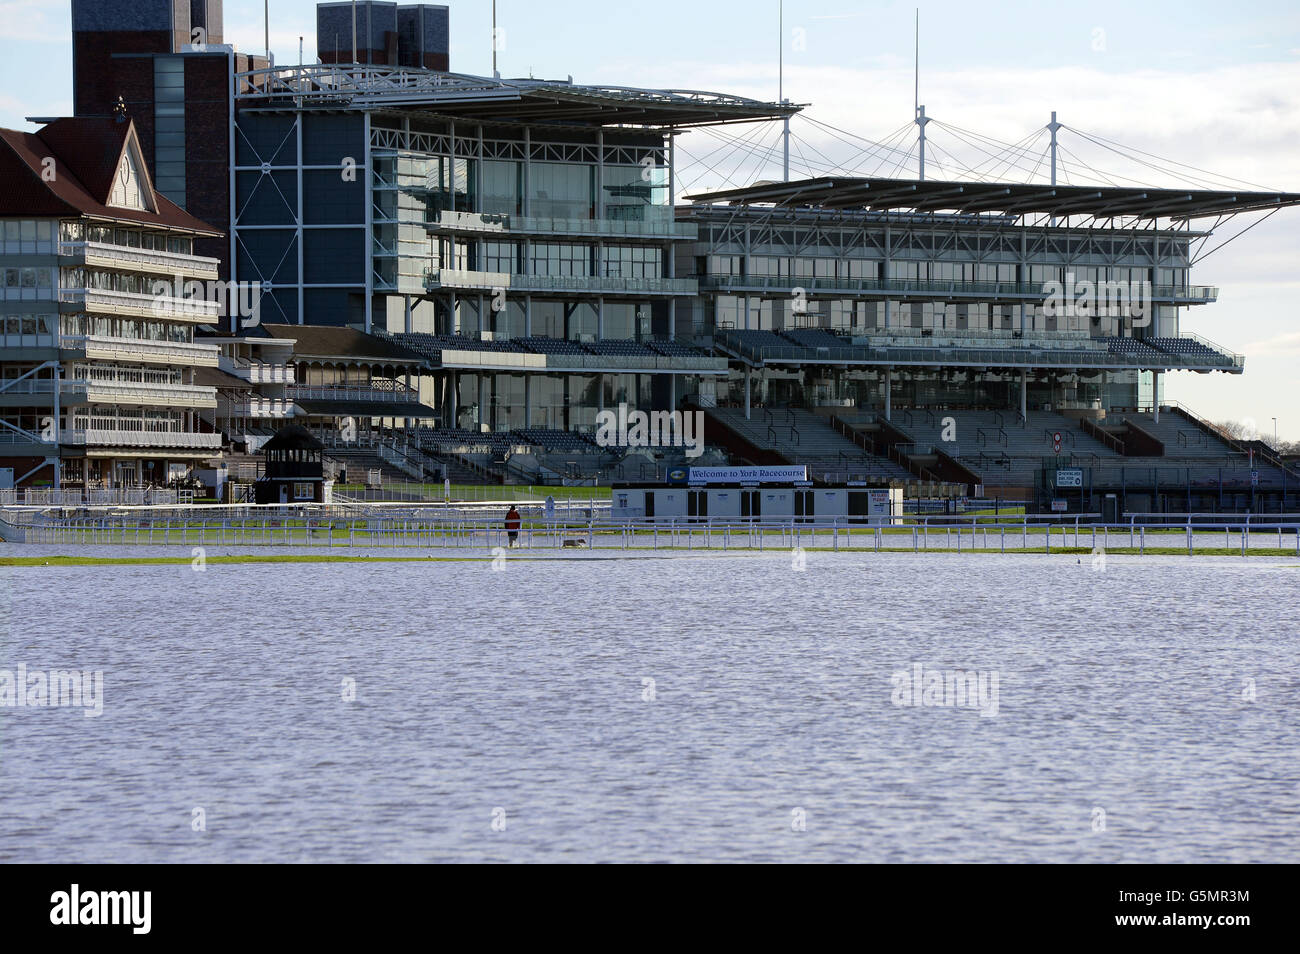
(458, 278)
(427, 524)
(94, 497)
(149, 306)
(259, 372)
(256, 407)
(132, 349)
(489, 222)
(182, 395)
(398, 393)
(145, 259)
(100, 438)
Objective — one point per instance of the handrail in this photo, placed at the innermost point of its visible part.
(1098, 433)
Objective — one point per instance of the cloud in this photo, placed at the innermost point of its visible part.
(1288, 343)
(34, 21)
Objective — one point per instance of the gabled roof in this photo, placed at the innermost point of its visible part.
(93, 146)
(931, 195)
(86, 154)
(293, 437)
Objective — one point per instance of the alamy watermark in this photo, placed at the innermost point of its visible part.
(925, 687)
(127, 908)
(181, 296)
(58, 688)
(1111, 300)
(634, 428)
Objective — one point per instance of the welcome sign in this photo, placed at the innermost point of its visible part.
(777, 474)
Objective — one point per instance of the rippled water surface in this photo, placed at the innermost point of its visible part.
(522, 695)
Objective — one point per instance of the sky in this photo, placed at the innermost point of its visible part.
(1210, 85)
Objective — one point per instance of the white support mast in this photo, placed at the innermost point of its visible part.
(1052, 127)
(780, 88)
(918, 111)
(921, 120)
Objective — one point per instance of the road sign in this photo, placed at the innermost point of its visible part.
(1254, 478)
(1072, 477)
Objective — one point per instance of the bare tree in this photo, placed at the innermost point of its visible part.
(1236, 430)
(1243, 431)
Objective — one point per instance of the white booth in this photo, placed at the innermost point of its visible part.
(777, 494)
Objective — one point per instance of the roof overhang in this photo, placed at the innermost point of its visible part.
(487, 99)
(928, 195)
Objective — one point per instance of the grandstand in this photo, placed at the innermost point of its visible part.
(793, 435)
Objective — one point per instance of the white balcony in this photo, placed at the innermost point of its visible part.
(277, 408)
(438, 278)
(142, 260)
(103, 301)
(258, 372)
(130, 393)
(397, 393)
(95, 437)
(138, 394)
(184, 353)
(501, 224)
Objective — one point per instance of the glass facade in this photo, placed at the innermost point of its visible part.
(169, 127)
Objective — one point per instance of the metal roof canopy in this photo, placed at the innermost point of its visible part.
(507, 100)
(929, 195)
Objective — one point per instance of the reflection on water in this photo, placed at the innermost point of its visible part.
(690, 708)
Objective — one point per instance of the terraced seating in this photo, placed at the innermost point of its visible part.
(620, 347)
(540, 345)
(456, 436)
(556, 440)
(675, 349)
(750, 338)
(433, 345)
(1189, 348)
(807, 438)
(814, 338)
(1181, 437)
(360, 463)
(996, 433)
(1134, 347)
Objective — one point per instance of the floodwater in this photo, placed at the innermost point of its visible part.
(684, 707)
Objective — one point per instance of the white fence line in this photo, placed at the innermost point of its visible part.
(481, 527)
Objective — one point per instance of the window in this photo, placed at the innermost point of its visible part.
(500, 257)
(562, 190)
(556, 259)
(303, 491)
(502, 191)
(724, 264)
(630, 262)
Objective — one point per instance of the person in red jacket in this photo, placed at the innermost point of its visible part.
(512, 525)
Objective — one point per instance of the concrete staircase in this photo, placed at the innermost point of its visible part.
(803, 437)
